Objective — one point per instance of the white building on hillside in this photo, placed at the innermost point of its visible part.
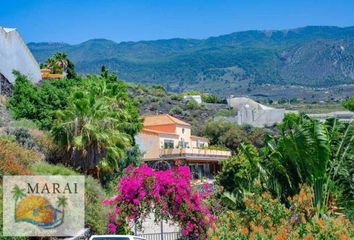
(15, 55)
(255, 114)
(196, 98)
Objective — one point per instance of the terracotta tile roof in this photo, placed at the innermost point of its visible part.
(162, 119)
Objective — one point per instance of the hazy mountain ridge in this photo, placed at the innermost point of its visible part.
(309, 56)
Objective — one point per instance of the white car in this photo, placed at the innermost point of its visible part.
(115, 237)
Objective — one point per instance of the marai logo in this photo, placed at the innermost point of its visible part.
(38, 210)
(41, 206)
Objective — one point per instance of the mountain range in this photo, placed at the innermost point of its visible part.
(313, 56)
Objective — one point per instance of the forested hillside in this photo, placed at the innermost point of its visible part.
(235, 63)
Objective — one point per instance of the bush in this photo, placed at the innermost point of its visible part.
(14, 159)
(212, 99)
(192, 104)
(232, 112)
(95, 213)
(23, 123)
(154, 106)
(38, 103)
(176, 110)
(349, 104)
(43, 141)
(266, 218)
(23, 137)
(177, 97)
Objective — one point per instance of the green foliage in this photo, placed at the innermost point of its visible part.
(265, 217)
(349, 104)
(208, 98)
(23, 123)
(177, 97)
(192, 105)
(305, 152)
(59, 63)
(95, 213)
(176, 110)
(230, 135)
(232, 112)
(44, 168)
(98, 123)
(24, 98)
(240, 171)
(220, 64)
(300, 155)
(132, 156)
(23, 137)
(38, 104)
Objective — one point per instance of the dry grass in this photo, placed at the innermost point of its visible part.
(3, 100)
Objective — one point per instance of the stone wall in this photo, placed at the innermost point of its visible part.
(5, 86)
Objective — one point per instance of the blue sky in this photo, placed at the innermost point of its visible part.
(76, 21)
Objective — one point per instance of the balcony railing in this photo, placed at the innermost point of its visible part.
(194, 152)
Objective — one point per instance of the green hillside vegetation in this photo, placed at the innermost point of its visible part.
(237, 62)
(293, 180)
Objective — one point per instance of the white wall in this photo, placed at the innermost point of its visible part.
(15, 55)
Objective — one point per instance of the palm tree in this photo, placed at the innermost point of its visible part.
(62, 202)
(59, 63)
(61, 60)
(96, 127)
(17, 193)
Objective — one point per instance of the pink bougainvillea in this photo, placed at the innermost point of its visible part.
(168, 194)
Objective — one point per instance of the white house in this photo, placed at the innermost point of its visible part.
(196, 98)
(255, 114)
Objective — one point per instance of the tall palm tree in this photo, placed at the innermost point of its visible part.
(58, 63)
(61, 60)
(95, 126)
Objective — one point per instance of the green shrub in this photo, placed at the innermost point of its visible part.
(212, 99)
(154, 106)
(192, 104)
(155, 99)
(24, 123)
(23, 137)
(95, 213)
(176, 110)
(349, 104)
(227, 112)
(177, 97)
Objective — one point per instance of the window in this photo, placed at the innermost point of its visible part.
(182, 130)
(183, 144)
(168, 144)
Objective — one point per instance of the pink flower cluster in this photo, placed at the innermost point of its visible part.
(168, 194)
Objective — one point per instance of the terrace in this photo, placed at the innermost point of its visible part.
(194, 154)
